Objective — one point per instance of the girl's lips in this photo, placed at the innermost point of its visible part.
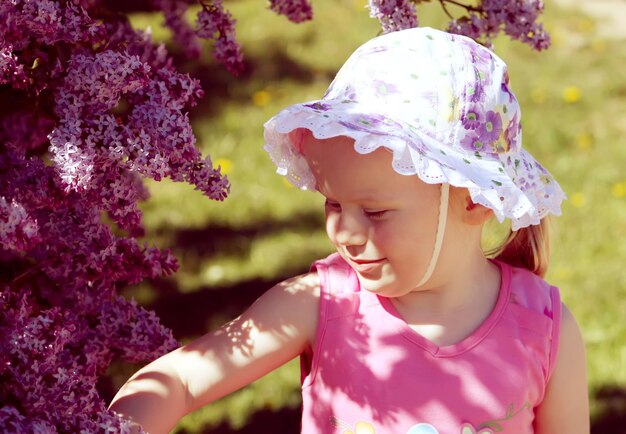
(364, 266)
(366, 261)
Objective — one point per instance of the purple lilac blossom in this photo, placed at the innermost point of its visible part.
(518, 19)
(214, 23)
(48, 22)
(470, 26)
(394, 15)
(11, 72)
(174, 12)
(296, 11)
(18, 230)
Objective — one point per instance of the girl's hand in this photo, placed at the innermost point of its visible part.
(280, 325)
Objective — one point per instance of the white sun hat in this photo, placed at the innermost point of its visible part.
(441, 104)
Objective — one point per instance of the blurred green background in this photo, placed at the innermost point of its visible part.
(573, 98)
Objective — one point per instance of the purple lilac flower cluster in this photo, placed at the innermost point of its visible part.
(483, 22)
(10, 70)
(62, 322)
(296, 11)
(518, 19)
(394, 15)
(214, 23)
(174, 13)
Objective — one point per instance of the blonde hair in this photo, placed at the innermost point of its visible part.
(527, 247)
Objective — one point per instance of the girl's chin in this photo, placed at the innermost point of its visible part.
(380, 286)
(386, 286)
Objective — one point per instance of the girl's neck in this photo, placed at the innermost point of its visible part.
(463, 294)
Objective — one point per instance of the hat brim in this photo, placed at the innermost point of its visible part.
(513, 185)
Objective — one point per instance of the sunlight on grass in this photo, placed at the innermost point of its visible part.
(277, 254)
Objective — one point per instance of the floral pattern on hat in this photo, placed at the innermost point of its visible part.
(442, 104)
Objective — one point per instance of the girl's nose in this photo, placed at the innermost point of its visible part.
(350, 231)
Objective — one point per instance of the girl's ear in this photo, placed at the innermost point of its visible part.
(475, 214)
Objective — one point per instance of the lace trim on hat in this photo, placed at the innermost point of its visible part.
(514, 186)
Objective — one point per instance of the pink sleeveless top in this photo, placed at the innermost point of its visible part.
(369, 373)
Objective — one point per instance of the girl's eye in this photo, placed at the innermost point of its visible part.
(371, 214)
(376, 214)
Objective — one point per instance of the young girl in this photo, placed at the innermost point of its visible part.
(408, 327)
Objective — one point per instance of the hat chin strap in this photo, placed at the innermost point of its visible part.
(441, 229)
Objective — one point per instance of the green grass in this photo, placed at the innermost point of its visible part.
(573, 100)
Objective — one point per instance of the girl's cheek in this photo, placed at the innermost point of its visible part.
(381, 233)
(395, 231)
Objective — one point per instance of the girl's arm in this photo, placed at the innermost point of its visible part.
(565, 408)
(280, 325)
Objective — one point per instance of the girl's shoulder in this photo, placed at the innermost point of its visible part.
(530, 291)
(307, 283)
(300, 292)
(294, 302)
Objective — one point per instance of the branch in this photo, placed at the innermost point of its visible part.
(445, 9)
(456, 3)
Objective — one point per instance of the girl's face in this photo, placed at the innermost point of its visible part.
(382, 223)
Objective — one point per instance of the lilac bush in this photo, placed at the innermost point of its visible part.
(95, 107)
(91, 107)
